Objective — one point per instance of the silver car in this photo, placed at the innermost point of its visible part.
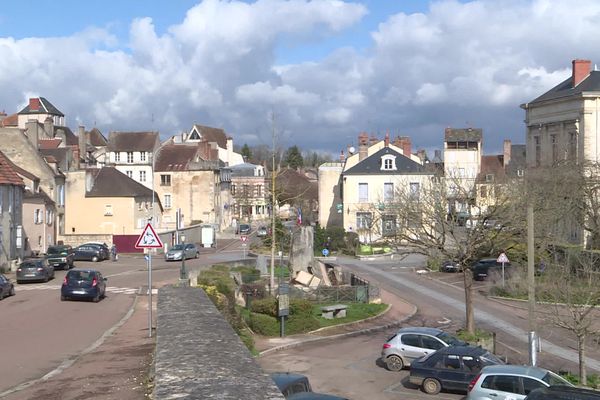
(34, 269)
(411, 343)
(503, 382)
(176, 253)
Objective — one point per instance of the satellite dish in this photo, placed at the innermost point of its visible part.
(352, 149)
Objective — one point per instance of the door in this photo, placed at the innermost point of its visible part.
(502, 387)
(410, 346)
(453, 375)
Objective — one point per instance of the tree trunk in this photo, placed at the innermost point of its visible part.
(581, 353)
(470, 318)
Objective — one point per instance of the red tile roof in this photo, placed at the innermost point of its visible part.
(8, 175)
(48, 143)
(11, 120)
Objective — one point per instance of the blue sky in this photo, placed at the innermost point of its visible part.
(328, 69)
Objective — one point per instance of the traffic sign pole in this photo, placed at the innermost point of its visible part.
(149, 293)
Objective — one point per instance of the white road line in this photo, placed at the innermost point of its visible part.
(109, 289)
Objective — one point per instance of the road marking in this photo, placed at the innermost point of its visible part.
(109, 289)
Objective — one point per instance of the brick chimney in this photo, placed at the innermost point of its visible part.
(49, 128)
(34, 104)
(32, 132)
(404, 143)
(387, 139)
(506, 152)
(342, 157)
(581, 69)
(363, 145)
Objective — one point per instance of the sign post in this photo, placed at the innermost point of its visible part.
(502, 259)
(283, 306)
(149, 240)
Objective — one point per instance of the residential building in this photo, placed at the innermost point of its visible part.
(11, 215)
(224, 143)
(330, 194)
(249, 194)
(132, 153)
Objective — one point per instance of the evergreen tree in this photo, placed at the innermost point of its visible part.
(246, 153)
(293, 158)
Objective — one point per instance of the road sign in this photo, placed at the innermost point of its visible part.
(502, 258)
(325, 252)
(244, 238)
(148, 239)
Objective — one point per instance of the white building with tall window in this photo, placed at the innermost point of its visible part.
(131, 153)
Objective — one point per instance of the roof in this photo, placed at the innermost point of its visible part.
(71, 138)
(372, 165)
(110, 182)
(45, 108)
(212, 135)
(59, 154)
(565, 89)
(285, 379)
(527, 370)
(48, 143)
(466, 134)
(463, 350)
(11, 120)
(491, 165)
(132, 141)
(39, 195)
(175, 157)
(8, 175)
(518, 155)
(420, 329)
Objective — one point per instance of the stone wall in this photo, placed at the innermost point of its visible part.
(199, 355)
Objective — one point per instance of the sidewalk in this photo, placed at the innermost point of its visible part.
(398, 312)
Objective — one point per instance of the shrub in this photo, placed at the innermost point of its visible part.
(300, 307)
(266, 306)
(301, 323)
(249, 274)
(263, 324)
(257, 289)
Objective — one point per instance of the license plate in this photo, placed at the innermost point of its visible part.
(78, 291)
(56, 265)
(29, 274)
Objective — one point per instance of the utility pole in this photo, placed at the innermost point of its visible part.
(273, 232)
(533, 340)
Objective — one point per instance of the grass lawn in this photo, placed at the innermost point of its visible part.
(354, 312)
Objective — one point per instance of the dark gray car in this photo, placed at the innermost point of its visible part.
(35, 269)
(6, 287)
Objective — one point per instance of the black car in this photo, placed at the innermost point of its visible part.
(83, 284)
(6, 287)
(103, 247)
(490, 268)
(34, 269)
(88, 252)
(290, 383)
(560, 392)
(450, 266)
(450, 368)
(244, 229)
(60, 256)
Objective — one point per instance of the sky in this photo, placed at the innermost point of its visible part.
(309, 73)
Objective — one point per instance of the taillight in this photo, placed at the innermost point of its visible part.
(65, 281)
(473, 383)
(94, 282)
(40, 269)
(387, 345)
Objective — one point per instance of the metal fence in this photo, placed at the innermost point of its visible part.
(360, 291)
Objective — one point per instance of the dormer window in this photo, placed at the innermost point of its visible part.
(388, 162)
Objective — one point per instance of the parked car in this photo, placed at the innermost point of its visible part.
(489, 267)
(244, 229)
(83, 284)
(290, 383)
(103, 247)
(411, 343)
(88, 252)
(315, 396)
(60, 256)
(34, 269)
(177, 252)
(513, 381)
(450, 266)
(563, 393)
(6, 287)
(262, 231)
(450, 368)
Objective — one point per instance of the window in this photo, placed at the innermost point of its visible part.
(530, 384)
(388, 192)
(258, 190)
(49, 217)
(108, 211)
(167, 201)
(415, 189)
(388, 163)
(554, 148)
(503, 383)
(37, 216)
(142, 156)
(431, 343)
(538, 150)
(483, 191)
(363, 220)
(520, 172)
(117, 156)
(11, 198)
(129, 174)
(363, 192)
(165, 180)
(388, 225)
(411, 340)
(246, 190)
(130, 157)
(142, 176)
(233, 190)
(451, 362)
(572, 146)
(489, 177)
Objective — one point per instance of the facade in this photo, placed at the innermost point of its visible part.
(330, 195)
(11, 215)
(249, 192)
(106, 201)
(131, 153)
(218, 137)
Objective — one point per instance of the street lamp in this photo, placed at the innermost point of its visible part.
(182, 272)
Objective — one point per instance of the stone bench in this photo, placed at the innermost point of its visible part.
(334, 311)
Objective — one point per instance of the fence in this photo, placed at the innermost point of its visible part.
(326, 294)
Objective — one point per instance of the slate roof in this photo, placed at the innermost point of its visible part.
(72, 139)
(175, 157)
(45, 108)
(132, 141)
(110, 182)
(294, 184)
(8, 175)
(243, 169)
(59, 154)
(466, 134)
(565, 88)
(212, 135)
(39, 195)
(372, 165)
(97, 139)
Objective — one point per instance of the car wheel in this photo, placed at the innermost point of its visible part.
(12, 291)
(197, 255)
(95, 259)
(431, 386)
(96, 298)
(394, 363)
(63, 298)
(47, 278)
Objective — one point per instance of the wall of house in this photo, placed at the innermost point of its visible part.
(330, 195)
(249, 201)
(11, 220)
(40, 235)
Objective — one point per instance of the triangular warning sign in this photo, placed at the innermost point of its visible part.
(148, 239)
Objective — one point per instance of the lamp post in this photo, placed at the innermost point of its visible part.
(182, 272)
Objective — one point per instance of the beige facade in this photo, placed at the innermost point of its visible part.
(249, 191)
(330, 195)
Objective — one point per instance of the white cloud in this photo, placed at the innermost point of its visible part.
(451, 64)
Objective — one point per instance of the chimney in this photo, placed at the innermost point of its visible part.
(32, 132)
(34, 104)
(404, 143)
(342, 157)
(82, 146)
(422, 154)
(387, 139)
(373, 140)
(363, 145)
(437, 155)
(60, 134)
(507, 147)
(49, 127)
(581, 69)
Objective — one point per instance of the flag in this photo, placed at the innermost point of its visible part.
(299, 216)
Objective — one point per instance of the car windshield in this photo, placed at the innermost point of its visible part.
(81, 275)
(552, 379)
(177, 247)
(490, 359)
(449, 339)
(56, 250)
(28, 264)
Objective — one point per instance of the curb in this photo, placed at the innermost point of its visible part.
(341, 335)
